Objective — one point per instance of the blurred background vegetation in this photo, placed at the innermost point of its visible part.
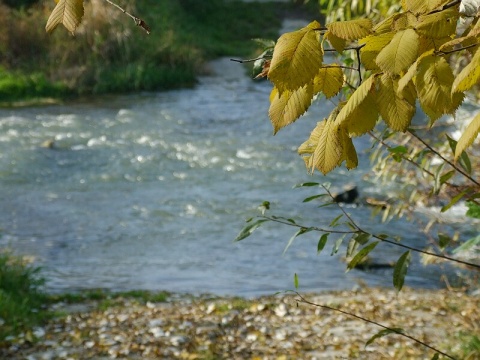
(109, 54)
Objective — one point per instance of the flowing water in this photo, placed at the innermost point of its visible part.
(148, 191)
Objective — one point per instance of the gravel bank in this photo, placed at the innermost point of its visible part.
(276, 327)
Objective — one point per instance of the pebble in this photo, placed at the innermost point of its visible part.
(267, 328)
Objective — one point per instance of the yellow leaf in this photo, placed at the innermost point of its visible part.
(395, 109)
(460, 41)
(373, 45)
(328, 81)
(288, 106)
(412, 71)
(438, 25)
(349, 152)
(325, 141)
(296, 58)
(66, 12)
(351, 30)
(434, 85)
(385, 25)
(357, 98)
(363, 118)
(468, 136)
(404, 20)
(336, 42)
(400, 53)
(469, 76)
(422, 6)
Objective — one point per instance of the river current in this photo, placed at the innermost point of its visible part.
(148, 191)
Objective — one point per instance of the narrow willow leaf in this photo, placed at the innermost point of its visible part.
(467, 245)
(288, 106)
(351, 247)
(361, 255)
(468, 136)
(400, 53)
(66, 12)
(295, 281)
(469, 76)
(322, 242)
(362, 238)
(382, 333)
(436, 356)
(452, 202)
(400, 270)
(328, 81)
(351, 30)
(249, 229)
(334, 222)
(313, 197)
(337, 244)
(296, 58)
(396, 110)
(306, 184)
(447, 176)
(298, 233)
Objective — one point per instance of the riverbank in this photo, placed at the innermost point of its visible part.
(109, 54)
(273, 327)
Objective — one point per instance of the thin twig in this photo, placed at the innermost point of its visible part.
(305, 301)
(139, 22)
(446, 52)
(444, 159)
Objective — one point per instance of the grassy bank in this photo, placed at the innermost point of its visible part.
(109, 54)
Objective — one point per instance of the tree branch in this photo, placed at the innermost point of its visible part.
(302, 300)
(139, 22)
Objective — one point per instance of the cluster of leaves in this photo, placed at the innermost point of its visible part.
(404, 58)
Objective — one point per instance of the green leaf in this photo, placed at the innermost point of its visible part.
(362, 238)
(298, 233)
(335, 221)
(443, 240)
(436, 356)
(337, 245)
(351, 247)
(467, 244)
(295, 280)
(400, 270)
(249, 229)
(322, 242)
(453, 201)
(382, 333)
(473, 210)
(310, 198)
(305, 184)
(447, 176)
(361, 254)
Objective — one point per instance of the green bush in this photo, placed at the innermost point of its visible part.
(21, 295)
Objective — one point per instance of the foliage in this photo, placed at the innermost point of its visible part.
(393, 64)
(21, 296)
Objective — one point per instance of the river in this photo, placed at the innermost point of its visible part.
(148, 191)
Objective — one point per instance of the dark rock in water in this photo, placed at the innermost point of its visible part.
(347, 197)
